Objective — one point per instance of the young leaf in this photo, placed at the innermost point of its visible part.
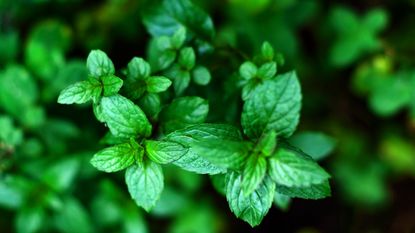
(157, 84)
(253, 173)
(315, 191)
(267, 143)
(267, 70)
(164, 152)
(223, 153)
(151, 104)
(289, 168)
(254, 207)
(112, 84)
(201, 75)
(180, 77)
(274, 105)
(267, 51)
(187, 58)
(161, 53)
(116, 158)
(124, 118)
(80, 92)
(145, 183)
(248, 70)
(182, 112)
(138, 68)
(178, 38)
(99, 64)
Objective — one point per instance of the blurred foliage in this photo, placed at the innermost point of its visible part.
(355, 60)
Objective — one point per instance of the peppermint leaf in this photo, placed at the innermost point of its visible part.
(145, 183)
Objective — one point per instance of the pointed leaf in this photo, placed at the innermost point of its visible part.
(164, 152)
(112, 84)
(145, 183)
(254, 207)
(99, 64)
(124, 118)
(116, 158)
(80, 92)
(253, 173)
(289, 168)
(274, 105)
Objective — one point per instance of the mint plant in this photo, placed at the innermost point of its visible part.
(153, 121)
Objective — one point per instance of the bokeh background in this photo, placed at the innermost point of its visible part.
(355, 60)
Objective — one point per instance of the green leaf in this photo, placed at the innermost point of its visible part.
(11, 196)
(223, 153)
(161, 53)
(391, 95)
(267, 70)
(180, 77)
(201, 75)
(45, 47)
(73, 71)
(356, 36)
(290, 168)
(181, 82)
(156, 84)
(164, 152)
(9, 134)
(81, 92)
(187, 58)
(254, 207)
(267, 51)
(182, 112)
(315, 191)
(112, 84)
(315, 144)
(173, 14)
(248, 89)
(178, 38)
(145, 183)
(124, 118)
(248, 70)
(150, 104)
(376, 19)
(117, 158)
(96, 107)
(134, 222)
(274, 105)
(267, 144)
(282, 201)
(18, 90)
(61, 175)
(193, 162)
(73, 217)
(253, 173)
(99, 64)
(30, 219)
(138, 68)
